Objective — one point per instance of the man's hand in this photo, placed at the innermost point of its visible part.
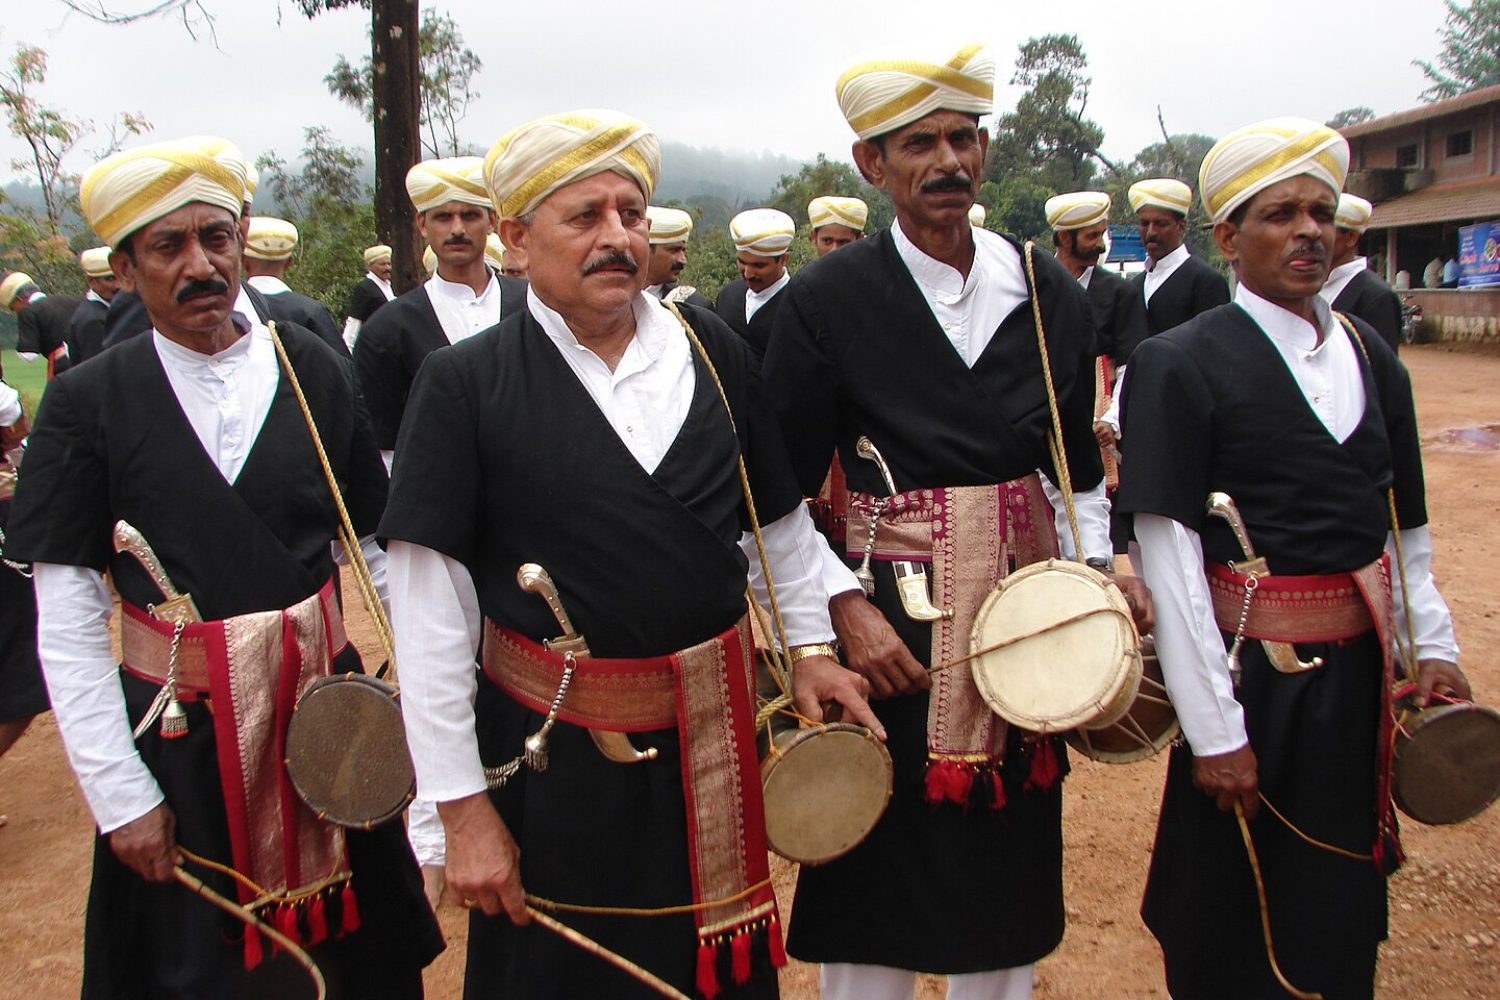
(1228, 778)
(1441, 677)
(148, 846)
(817, 680)
(483, 863)
(1138, 596)
(873, 649)
(1105, 433)
(434, 879)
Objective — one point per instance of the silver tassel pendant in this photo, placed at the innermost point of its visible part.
(174, 723)
(536, 744)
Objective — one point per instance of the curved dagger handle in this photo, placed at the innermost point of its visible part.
(865, 448)
(1221, 505)
(175, 606)
(911, 583)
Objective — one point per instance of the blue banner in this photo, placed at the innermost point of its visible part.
(1125, 244)
(1479, 255)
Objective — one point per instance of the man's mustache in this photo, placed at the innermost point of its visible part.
(208, 286)
(1093, 253)
(458, 241)
(953, 182)
(1308, 251)
(618, 258)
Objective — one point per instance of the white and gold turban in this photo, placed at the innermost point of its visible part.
(669, 225)
(270, 239)
(131, 189)
(436, 182)
(1248, 160)
(1354, 213)
(494, 252)
(95, 262)
(530, 162)
(833, 210)
(765, 232)
(377, 253)
(890, 88)
(252, 184)
(977, 214)
(429, 260)
(13, 283)
(1077, 210)
(1161, 192)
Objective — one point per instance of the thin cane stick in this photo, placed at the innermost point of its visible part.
(593, 947)
(255, 923)
(1265, 913)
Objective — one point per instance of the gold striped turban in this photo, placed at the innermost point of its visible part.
(377, 253)
(270, 239)
(95, 262)
(494, 252)
(1077, 210)
(669, 225)
(977, 214)
(429, 260)
(13, 283)
(1248, 160)
(436, 182)
(1161, 192)
(252, 183)
(131, 189)
(890, 88)
(765, 232)
(1354, 213)
(832, 210)
(530, 162)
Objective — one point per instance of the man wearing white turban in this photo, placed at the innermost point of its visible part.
(189, 435)
(1305, 419)
(589, 434)
(835, 221)
(1353, 288)
(369, 293)
(269, 245)
(461, 298)
(85, 336)
(1175, 285)
(921, 337)
(762, 237)
(670, 230)
(42, 320)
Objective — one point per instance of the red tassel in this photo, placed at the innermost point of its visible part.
(777, 945)
(948, 781)
(286, 922)
(708, 977)
(317, 922)
(351, 910)
(1044, 766)
(933, 781)
(254, 953)
(998, 801)
(739, 951)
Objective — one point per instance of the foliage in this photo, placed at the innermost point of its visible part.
(448, 72)
(332, 211)
(1047, 137)
(825, 177)
(1470, 57)
(1351, 116)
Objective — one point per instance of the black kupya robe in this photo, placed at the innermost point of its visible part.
(1211, 406)
(294, 307)
(1193, 288)
(112, 442)
(1372, 300)
(364, 299)
(85, 336)
(756, 331)
(857, 350)
(504, 458)
(1120, 321)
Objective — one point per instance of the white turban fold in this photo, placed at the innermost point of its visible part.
(1248, 160)
(833, 210)
(429, 260)
(1354, 213)
(891, 88)
(1077, 210)
(977, 214)
(12, 285)
(377, 253)
(669, 225)
(494, 252)
(134, 188)
(436, 182)
(270, 239)
(530, 162)
(252, 183)
(95, 262)
(1161, 192)
(764, 232)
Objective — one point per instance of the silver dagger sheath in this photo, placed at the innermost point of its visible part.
(911, 582)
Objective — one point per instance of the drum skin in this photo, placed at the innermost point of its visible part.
(1051, 673)
(346, 751)
(825, 788)
(1146, 729)
(1447, 765)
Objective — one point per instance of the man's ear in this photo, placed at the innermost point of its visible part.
(517, 239)
(1226, 238)
(870, 163)
(119, 262)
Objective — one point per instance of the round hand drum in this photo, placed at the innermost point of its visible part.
(1144, 730)
(825, 788)
(1447, 762)
(346, 751)
(1056, 649)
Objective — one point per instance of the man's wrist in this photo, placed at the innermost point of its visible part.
(798, 653)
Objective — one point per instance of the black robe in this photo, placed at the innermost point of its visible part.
(22, 690)
(112, 442)
(1211, 406)
(1120, 322)
(1193, 288)
(294, 307)
(364, 299)
(857, 350)
(505, 458)
(393, 344)
(1372, 300)
(756, 331)
(85, 335)
(43, 326)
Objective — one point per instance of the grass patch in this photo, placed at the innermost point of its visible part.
(27, 378)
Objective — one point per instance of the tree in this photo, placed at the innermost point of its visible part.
(447, 71)
(1351, 116)
(823, 177)
(1470, 57)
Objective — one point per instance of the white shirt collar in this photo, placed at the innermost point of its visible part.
(94, 296)
(655, 326)
(385, 286)
(1086, 276)
(268, 284)
(761, 298)
(1170, 262)
(190, 362)
(1339, 278)
(455, 291)
(1286, 327)
(939, 279)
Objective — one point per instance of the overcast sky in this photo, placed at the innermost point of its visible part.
(706, 73)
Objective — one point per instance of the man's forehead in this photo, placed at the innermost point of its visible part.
(597, 189)
(937, 122)
(198, 215)
(669, 247)
(455, 208)
(1303, 189)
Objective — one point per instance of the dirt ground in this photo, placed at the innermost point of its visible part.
(1445, 904)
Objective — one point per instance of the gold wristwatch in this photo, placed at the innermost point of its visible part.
(814, 649)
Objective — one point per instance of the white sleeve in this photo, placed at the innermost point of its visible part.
(424, 830)
(375, 559)
(1188, 643)
(795, 552)
(83, 681)
(351, 332)
(10, 406)
(1111, 414)
(1092, 508)
(1432, 622)
(435, 616)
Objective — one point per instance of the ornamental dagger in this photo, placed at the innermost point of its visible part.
(911, 582)
(1281, 654)
(177, 606)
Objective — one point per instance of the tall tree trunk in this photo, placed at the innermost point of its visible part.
(395, 25)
